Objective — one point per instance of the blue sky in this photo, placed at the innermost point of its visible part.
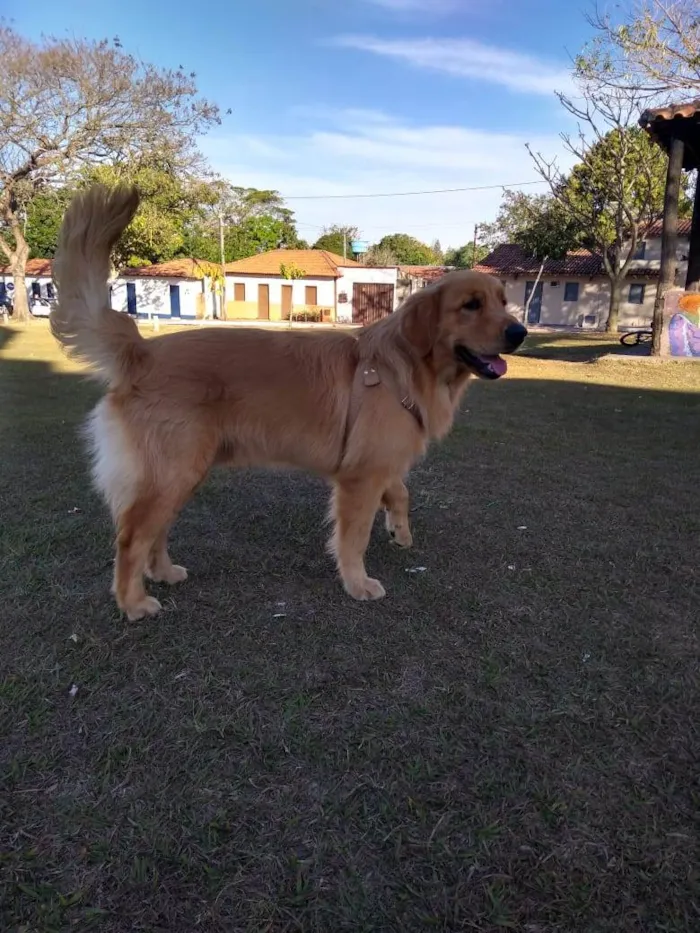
(337, 97)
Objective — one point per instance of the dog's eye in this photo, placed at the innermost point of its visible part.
(473, 305)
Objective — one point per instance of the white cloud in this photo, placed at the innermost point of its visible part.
(467, 58)
(363, 152)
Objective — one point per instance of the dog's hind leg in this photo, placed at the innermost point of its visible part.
(353, 507)
(160, 567)
(395, 503)
(142, 531)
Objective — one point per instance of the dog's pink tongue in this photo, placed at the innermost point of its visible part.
(497, 364)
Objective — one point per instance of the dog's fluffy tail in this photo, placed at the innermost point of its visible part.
(83, 322)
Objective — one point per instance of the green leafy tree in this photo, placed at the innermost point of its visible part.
(463, 256)
(336, 238)
(407, 250)
(537, 222)
(44, 216)
(170, 201)
(66, 103)
(617, 188)
(254, 221)
(438, 252)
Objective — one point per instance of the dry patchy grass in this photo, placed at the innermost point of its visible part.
(508, 741)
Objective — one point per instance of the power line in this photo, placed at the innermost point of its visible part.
(406, 194)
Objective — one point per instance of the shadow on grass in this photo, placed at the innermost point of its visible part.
(506, 738)
(577, 348)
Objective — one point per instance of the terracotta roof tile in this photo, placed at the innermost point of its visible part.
(34, 267)
(655, 229)
(687, 109)
(174, 269)
(428, 273)
(510, 259)
(314, 263)
(676, 120)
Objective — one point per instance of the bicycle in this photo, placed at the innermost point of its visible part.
(633, 338)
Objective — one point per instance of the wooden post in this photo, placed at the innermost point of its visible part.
(692, 279)
(669, 239)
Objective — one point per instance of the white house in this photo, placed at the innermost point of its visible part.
(308, 284)
(38, 280)
(179, 289)
(575, 291)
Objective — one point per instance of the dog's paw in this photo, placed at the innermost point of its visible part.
(174, 574)
(364, 589)
(148, 606)
(399, 534)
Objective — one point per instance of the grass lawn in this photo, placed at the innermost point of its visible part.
(508, 741)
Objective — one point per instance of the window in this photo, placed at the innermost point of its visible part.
(49, 290)
(239, 291)
(554, 284)
(36, 290)
(640, 250)
(311, 295)
(636, 295)
(571, 291)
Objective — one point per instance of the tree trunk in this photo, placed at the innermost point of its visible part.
(18, 265)
(669, 240)
(614, 306)
(692, 280)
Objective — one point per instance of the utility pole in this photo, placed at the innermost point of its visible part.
(222, 306)
(345, 244)
(476, 228)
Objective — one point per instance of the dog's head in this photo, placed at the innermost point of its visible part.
(462, 318)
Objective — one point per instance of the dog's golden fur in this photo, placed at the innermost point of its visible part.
(178, 404)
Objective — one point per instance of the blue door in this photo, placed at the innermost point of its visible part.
(535, 309)
(175, 301)
(131, 298)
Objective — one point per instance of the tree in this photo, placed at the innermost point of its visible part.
(67, 103)
(381, 256)
(407, 250)
(254, 221)
(616, 190)
(537, 222)
(44, 215)
(463, 256)
(336, 238)
(437, 252)
(654, 50)
(169, 201)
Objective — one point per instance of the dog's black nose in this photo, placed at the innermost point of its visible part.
(515, 334)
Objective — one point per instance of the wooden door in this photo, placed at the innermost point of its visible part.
(263, 302)
(286, 302)
(370, 302)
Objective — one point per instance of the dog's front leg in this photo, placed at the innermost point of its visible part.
(353, 507)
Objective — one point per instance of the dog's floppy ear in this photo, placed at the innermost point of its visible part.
(421, 313)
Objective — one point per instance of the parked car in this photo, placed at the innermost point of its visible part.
(41, 307)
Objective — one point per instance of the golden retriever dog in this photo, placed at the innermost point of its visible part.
(357, 409)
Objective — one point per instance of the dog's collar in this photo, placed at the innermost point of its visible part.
(370, 377)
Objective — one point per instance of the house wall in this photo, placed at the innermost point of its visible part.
(363, 275)
(326, 292)
(590, 310)
(153, 296)
(43, 280)
(248, 309)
